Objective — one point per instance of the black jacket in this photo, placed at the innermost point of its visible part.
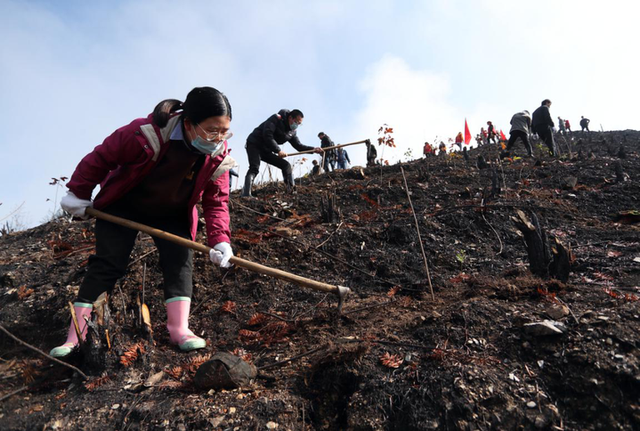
(275, 131)
(326, 142)
(541, 118)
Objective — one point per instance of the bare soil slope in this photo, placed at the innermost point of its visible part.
(396, 358)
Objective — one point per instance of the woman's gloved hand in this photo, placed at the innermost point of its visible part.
(220, 254)
(75, 206)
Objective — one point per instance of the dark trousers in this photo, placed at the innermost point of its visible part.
(546, 134)
(328, 161)
(255, 154)
(525, 140)
(113, 249)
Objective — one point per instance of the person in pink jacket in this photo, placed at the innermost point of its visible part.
(154, 171)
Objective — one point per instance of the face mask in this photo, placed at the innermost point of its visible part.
(204, 146)
(294, 125)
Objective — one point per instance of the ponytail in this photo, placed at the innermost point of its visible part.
(163, 110)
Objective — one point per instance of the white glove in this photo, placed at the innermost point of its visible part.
(220, 254)
(75, 206)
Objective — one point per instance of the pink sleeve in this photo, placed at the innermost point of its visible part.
(120, 148)
(215, 206)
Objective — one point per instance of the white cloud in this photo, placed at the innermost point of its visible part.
(414, 102)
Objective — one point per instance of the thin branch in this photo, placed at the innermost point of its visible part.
(77, 370)
(293, 358)
(17, 391)
(12, 212)
(424, 255)
(235, 202)
(141, 257)
(494, 231)
(329, 237)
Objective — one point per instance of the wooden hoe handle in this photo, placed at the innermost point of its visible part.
(341, 291)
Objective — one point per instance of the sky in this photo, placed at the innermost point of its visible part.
(73, 71)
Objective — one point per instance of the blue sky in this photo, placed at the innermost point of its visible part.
(74, 71)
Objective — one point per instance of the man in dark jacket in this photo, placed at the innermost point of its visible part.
(520, 123)
(263, 144)
(372, 153)
(329, 155)
(542, 124)
(584, 123)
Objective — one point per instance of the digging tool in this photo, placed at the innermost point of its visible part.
(339, 291)
(329, 148)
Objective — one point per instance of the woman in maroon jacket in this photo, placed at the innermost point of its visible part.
(154, 171)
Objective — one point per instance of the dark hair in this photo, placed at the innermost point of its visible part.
(545, 101)
(320, 135)
(201, 103)
(296, 113)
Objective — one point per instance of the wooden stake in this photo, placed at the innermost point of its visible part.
(74, 318)
(424, 255)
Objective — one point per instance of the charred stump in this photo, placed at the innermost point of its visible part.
(544, 260)
(329, 210)
(495, 184)
(620, 174)
(100, 340)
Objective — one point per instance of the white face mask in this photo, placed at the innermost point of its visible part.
(204, 146)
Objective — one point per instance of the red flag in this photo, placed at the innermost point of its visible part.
(467, 133)
(502, 136)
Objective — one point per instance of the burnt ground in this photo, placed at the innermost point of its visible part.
(396, 358)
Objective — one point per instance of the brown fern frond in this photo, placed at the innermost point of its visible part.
(131, 354)
(175, 372)
(97, 382)
(258, 319)
(228, 307)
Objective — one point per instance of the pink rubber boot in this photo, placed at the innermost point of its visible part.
(82, 309)
(178, 324)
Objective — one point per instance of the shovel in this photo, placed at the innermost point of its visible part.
(340, 291)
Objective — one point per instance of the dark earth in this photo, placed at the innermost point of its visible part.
(472, 355)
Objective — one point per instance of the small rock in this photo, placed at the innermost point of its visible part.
(569, 183)
(557, 311)
(546, 327)
(215, 422)
(272, 425)
(232, 410)
(115, 407)
(531, 404)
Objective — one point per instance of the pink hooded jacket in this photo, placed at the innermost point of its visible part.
(129, 154)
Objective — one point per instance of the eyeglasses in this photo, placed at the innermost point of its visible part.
(215, 136)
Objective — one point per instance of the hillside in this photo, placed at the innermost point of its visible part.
(469, 357)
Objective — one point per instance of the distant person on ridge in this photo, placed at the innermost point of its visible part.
(343, 158)
(443, 149)
(584, 123)
(567, 126)
(542, 124)
(315, 171)
(427, 150)
(372, 154)
(459, 140)
(561, 127)
(154, 171)
(520, 128)
(263, 144)
(491, 134)
(329, 155)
